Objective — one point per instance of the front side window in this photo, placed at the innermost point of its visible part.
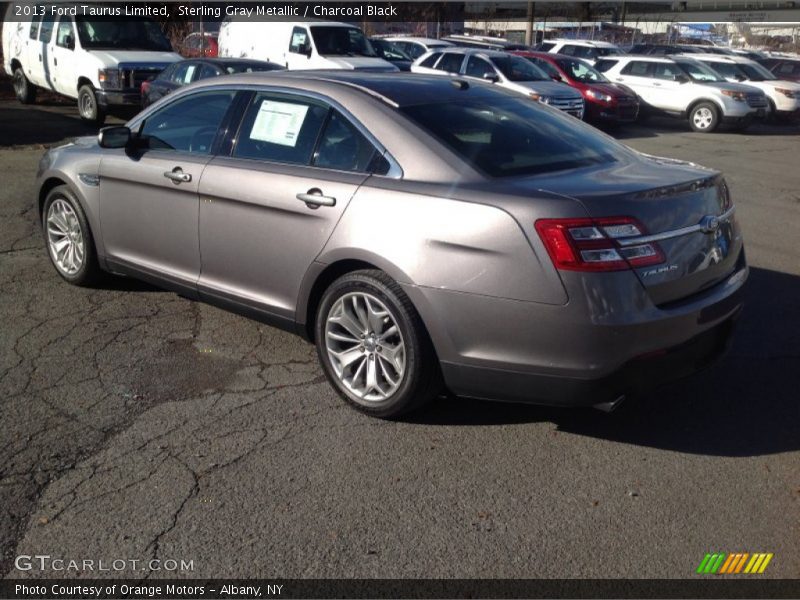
(699, 72)
(451, 62)
(343, 147)
(341, 41)
(207, 71)
(34, 33)
(46, 33)
(637, 68)
(504, 136)
(477, 67)
(189, 124)
(184, 73)
(64, 35)
(756, 72)
(729, 71)
(431, 60)
(281, 129)
(300, 42)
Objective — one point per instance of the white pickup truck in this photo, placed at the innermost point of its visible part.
(99, 61)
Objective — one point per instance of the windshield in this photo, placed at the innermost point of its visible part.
(699, 72)
(580, 71)
(504, 136)
(341, 41)
(518, 69)
(389, 51)
(130, 34)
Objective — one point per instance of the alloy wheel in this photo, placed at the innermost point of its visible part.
(65, 237)
(365, 346)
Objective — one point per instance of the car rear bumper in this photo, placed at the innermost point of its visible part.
(119, 98)
(611, 342)
(639, 375)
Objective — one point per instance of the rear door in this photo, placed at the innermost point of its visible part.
(40, 73)
(268, 208)
(149, 204)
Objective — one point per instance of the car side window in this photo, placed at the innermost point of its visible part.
(280, 128)
(413, 50)
(184, 73)
(604, 65)
(207, 71)
(35, 27)
(477, 67)
(569, 50)
(65, 37)
(451, 62)
(300, 41)
(665, 71)
(637, 68)
(46, 32)
(431, 60)
(343, 147)
(188, 124)
(546, 47)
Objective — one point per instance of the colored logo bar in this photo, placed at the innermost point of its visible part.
(721, 563)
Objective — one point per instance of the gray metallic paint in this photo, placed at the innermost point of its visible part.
(461, 245)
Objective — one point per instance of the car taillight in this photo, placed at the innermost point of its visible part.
(592, 244)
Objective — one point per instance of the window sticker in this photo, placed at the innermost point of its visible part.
(278, 122)
(189, 73)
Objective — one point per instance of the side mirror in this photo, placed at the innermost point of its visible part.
(115, 136)
(491, 77)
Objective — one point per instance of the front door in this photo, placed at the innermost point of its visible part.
(61, 57)
(268, 209)
(149, 198)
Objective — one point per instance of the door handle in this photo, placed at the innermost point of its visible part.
(620, 79)
(55, 61)
(177, 176)
(40, 58)
(655, 83)
(314, 198)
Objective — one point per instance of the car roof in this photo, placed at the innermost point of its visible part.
(640, 57)
(592, 43)
(488, 52)
(412, 38)
(396, 89)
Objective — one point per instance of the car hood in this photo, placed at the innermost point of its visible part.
(612, 89)
(115, 57)
(547, 88)
(734, 87)
(361, 63)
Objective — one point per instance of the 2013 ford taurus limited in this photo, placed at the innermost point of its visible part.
(423, 232)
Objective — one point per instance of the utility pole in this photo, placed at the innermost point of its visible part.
(529, 39)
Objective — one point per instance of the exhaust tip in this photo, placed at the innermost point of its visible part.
(611, 406)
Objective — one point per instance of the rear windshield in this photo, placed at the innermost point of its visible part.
(505, 136)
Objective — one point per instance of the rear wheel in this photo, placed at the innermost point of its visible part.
(704, 117)
(24, 90)
(373, 346)
(69, 239)
(88, 106)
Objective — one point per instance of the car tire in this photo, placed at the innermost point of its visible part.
(24, 90)
(68, 238)
(391, 368)
(88, 106)
(704, 117)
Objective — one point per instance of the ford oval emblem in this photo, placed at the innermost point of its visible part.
(709, 224)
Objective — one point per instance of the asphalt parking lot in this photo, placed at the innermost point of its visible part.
(139, 424)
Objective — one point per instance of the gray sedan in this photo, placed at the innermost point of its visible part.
(425, 233)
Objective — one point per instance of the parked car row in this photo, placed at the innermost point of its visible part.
(108, 63)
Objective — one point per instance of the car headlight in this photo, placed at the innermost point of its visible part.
(738, 96)
(787, 93)
(109, 79)
(599, 96)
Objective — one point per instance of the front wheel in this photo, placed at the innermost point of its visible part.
(704, 117)
(24, 90)
(373, 345)
(88, 106)
(68, 237)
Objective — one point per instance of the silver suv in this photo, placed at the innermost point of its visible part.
(686, 88)
(421, 234)
(504, 70)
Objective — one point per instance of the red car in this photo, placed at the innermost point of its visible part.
(196, 45)
(605, 100)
